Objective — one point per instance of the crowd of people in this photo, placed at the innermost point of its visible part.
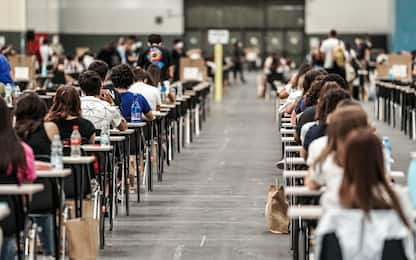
(345, 156)
(101, 100)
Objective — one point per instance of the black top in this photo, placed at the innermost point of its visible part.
(39, 142)
(307, 116)
(176, 60)
(86, 128)
(158, 56)
(316, 131)
(115, 95)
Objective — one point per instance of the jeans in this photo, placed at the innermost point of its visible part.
(46, 235)
(8, 249)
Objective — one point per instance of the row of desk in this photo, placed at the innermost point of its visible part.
(171, 130)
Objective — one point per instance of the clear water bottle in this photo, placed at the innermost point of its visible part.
(75, 141)
(105, 135)
(136, 110)
(411, 179)
(180, 89)
(56, 153)
(8, 95)
(387, 150)
(17, 91)
(44, 70)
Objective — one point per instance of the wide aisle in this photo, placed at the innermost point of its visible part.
(211, 202)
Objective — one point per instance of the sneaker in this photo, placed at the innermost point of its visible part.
(280, 164)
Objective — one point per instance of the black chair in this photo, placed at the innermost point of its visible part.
(331, 249)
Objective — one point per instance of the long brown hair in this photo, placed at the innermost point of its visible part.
(154, 72)
(65, 103)
(341, 123)
(12, 154)
(30, 112)
(329, 101)
(365, 185)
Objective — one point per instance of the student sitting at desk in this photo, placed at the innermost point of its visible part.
(327, 170)
(31, 128)
(122, 77)
(151, 93)
(17, 165)
(374, 220)
(155, 80)
(95, 105)
(66, 113)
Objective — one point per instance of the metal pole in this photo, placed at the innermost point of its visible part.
(218, 72)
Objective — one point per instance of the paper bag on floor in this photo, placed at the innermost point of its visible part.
(82, 235)
(276, 210)
(261, 86)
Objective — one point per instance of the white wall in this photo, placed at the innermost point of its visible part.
(349, 16)
(43, 15)
(12, 15)
(121, 16)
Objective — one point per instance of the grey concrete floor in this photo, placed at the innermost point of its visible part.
(210, 204)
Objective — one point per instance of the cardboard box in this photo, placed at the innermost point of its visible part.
(22, 67)
(193, 69)
(398, 64)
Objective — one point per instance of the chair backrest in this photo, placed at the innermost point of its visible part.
(331, 249)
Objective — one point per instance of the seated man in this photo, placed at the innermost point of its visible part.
(122, 77)
(150, 93)
(95, 105)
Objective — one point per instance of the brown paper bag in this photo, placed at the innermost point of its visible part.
(276, 210)
(261, 87)
(87, 208)
(82, 235)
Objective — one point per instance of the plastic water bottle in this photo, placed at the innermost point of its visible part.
(180, 89)
(136, 110)
(75, 141)
(8, 95)
(56, 153)
(17, 91)
(390, 75)
(411, 179)
(387, 150)
(163, 93)
(44, 70)
(105, 135)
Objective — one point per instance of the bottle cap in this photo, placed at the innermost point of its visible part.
(75, 127)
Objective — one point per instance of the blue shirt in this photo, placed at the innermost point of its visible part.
(5, 77)
(127, 99)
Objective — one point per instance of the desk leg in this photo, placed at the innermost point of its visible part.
(60, 220)
(127, 177)
(111, 188)
(138, 151)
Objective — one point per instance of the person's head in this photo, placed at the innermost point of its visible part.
(154, 39)
(55, 39)
(332, 33)
(66, 103)
(332, 77)
(90, 83)
(300, 75)
(100, 67)
(329, 101)
(122, 76)
(30, 112)
(364, 185)
(45, 41)
(342, 122)
(312, 95)
(12, 155)
(140, 75)
(154, 72)
(178, 44)
(310, 76)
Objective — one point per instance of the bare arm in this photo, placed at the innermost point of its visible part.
(123, 125)
(310, 183)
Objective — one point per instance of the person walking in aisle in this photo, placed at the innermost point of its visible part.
(238, 56)
(333, 51)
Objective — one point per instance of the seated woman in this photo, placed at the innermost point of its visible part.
(65, 113)
(122, 77)
(374, 219)
(327, 170)
(31, 128)
(17, 165)
(154, 73)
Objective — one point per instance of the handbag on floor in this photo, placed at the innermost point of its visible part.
(82, 236)
(276, 210)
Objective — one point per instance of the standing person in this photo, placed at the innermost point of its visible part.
(334, 51)
(121, 48)
(45, 52)
(237, 58)
(56, 46)
(109, 55)
(177, 54)
(157, 55)
(16, 162)
(95, 105)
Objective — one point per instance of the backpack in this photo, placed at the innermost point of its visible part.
(339, 55)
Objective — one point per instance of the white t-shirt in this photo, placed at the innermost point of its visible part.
(328, 174)
(99, 112)
(293, 96)
(315, 149)
(327, 48)
(150, 93)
